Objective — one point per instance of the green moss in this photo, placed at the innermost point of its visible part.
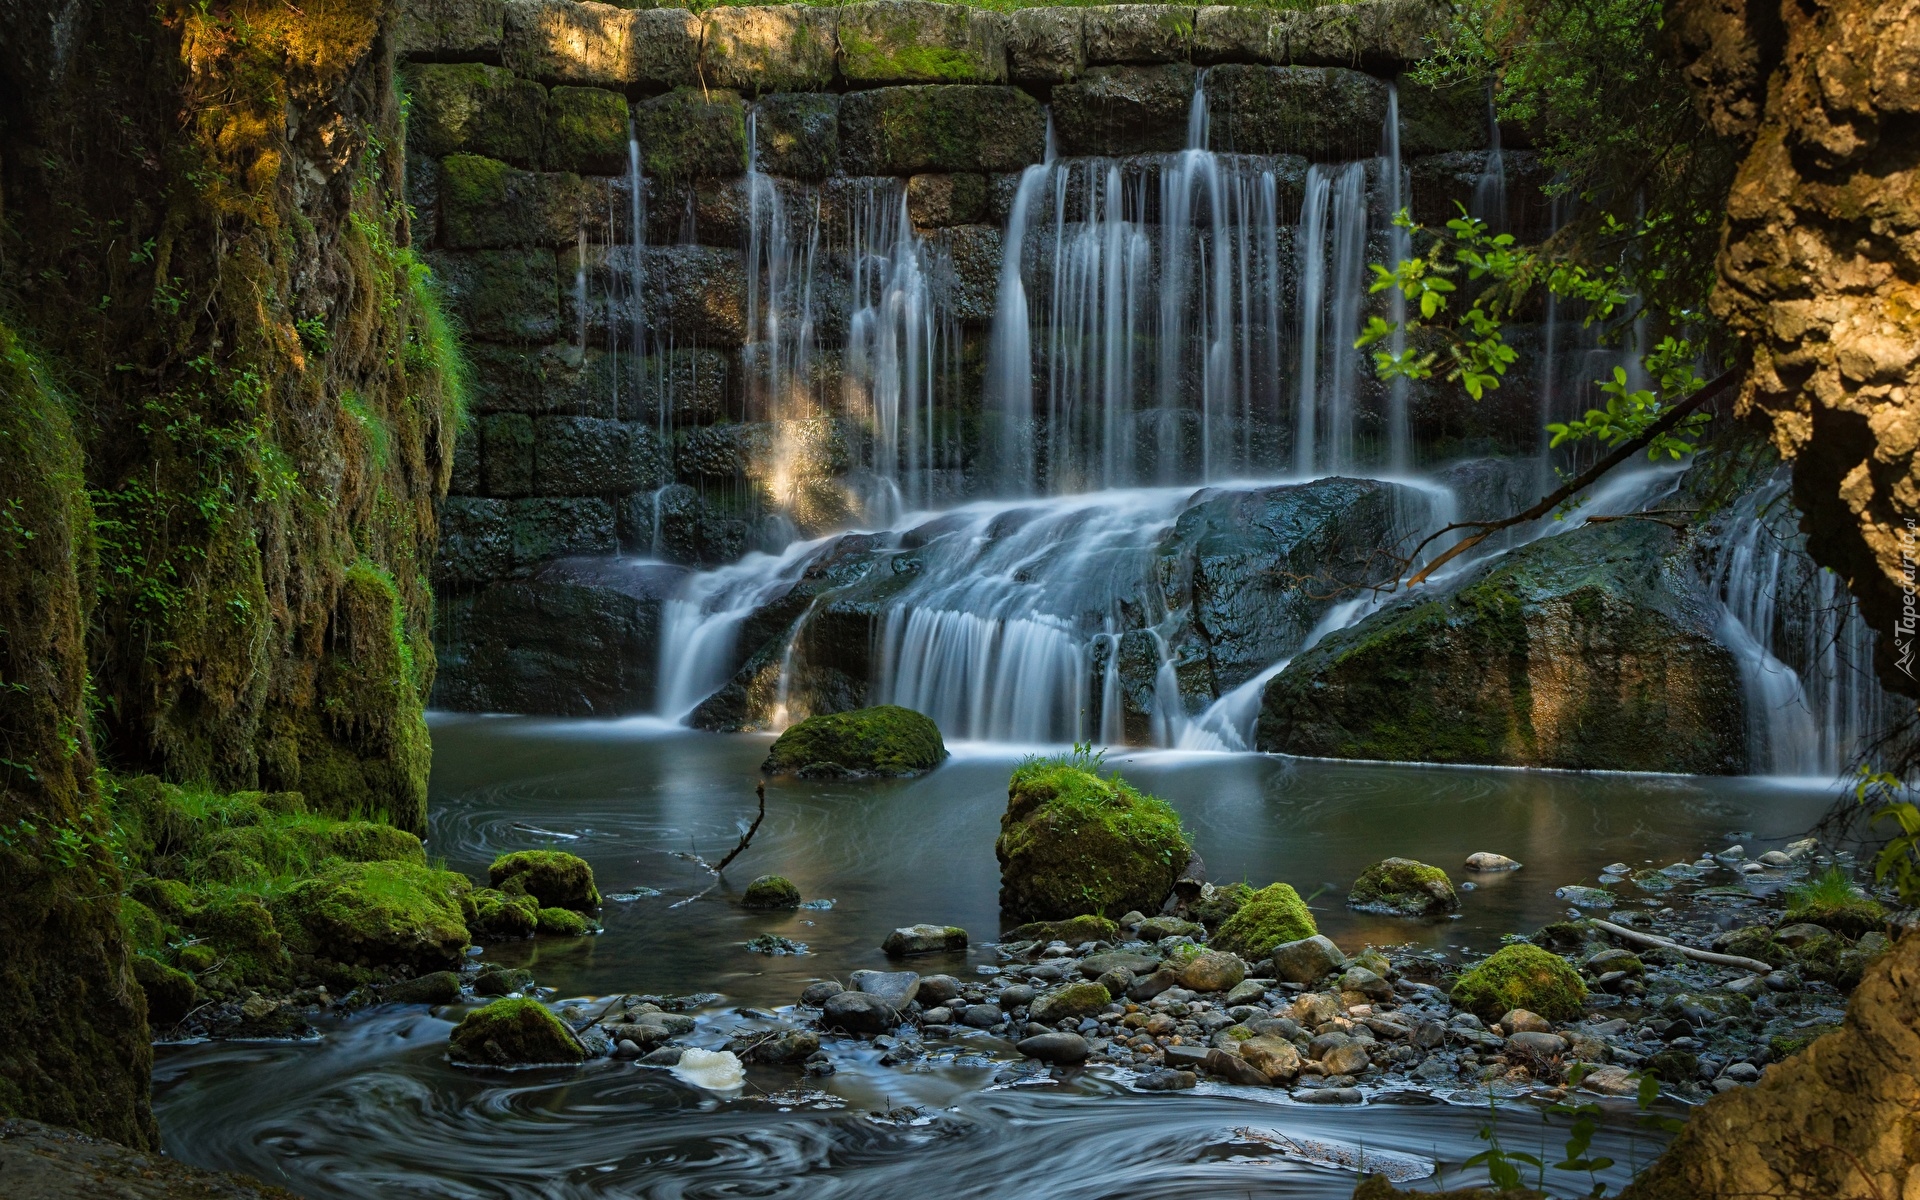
(561, 922)
(170, 993)
(1265, 919)
(688, 134)
(1521, 976)
(1403, 887)
(381, 914)
(553, 877)
(499, 915)
(1071, 1002)
(141, 926)
(246, 940)
(587, 130)
(1223, 902)
(1755, 941)
(170, 898)
(887, 740)
(1074, 931)
(510, 1033)
(473, 108)
(934, 127)
(197, 958)
(771, 891)
(1072, 842)
(1830, 900)
(1833, 959)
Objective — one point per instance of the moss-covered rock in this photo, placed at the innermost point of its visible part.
(602, 45)
(486, 204)
(561, 922)
(1074, 931)
(553, 877)
(1325, 113)
(471, 108)
(913, 41)
(141, 925)
(496, 914)
(907, 130)
(247, 943)
(170, 992)
(1073, 1001)
(1219, 903)
(1577, 651)
(691, 134)
(887, 740)
(513, 1033)
(1073, 842)
(771, 891)
(768, 48)
(1139, 33)
(586, 131)
(502, 295)
(1265, 919)
(380, 914)
(1405, 888)
(1521, 976)
(797, 134)
(1838, 907)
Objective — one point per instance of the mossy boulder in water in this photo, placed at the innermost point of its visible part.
(886, 740)
(1521, 976)
(771, 891)
(1072, 842)
(1403, 887)
(561, 922)
(380, 914)
(553, 877)
(1269, 917)
(1073, 931)
(497, 914)
(513, 1033)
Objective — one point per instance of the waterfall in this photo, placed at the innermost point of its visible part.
(1805, 653)
(1489, 200)
(1332, 245)
(1399, 249)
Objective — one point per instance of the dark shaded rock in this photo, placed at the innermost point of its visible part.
(1440, 181)
(501, 295)
(896, 988)
(1124, 110)
(1164, 1079)
(441, 987)
(1061, 1048)
(1328, 114)
(1234, 1069)
(48, 1162)
(781, 1048)
(472, 108)
(798, 134)
(1436, 120)
(817, 994)
(1590, 618)
(170, 992)
(502, 981)
(858, 1012)
(907, 130)
(587, 131)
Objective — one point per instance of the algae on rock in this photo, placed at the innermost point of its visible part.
(885, 740)
(513, 1033)
(553, 877)
(1521, 976)
(1072, 843)
(1269, 917)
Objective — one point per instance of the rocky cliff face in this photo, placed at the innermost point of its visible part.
(229, 409)
(1820, 268)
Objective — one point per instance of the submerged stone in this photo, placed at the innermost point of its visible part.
(924, 939)
(771, 891)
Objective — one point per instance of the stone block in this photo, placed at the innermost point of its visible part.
(476, 542)
(423, 197)
(586, 131)
(797, 134)
(768, 48)
(472, 108)
(1438, 120)
(693, 531)
(577, 41)
(1442, 182)
(594, 456)
(690, 134)
(937, 201)
(553, 526)
(1380, 34)
(681, 387)
(1139, 33)
(506, 454)
(966, 271)
(712, 212)
(465, 480)
(690, 295)
(724, 451)
(915, 41)
(501, 295)
(1046, 45)
(1235, 33)
(1325, 113)
(546, 379)
(907, 130)
(487, 205)
(450, 29)
(1124, 110)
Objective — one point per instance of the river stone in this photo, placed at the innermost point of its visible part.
(1519, 1020)
(1403, 887)
(1234, 1069)
(1146, 987)
(563, 41)
(982, 1016)
(1308, 960)
(1333, 1095)
(1054, 1047)
(472, 108)
(1611, 1081)
(1315, 1009)
(896, 988)
(1124, 110)
(1156, 929)
(785, 1047)
(1540, 1045)
(1586, 897)
(1275, 1057)
(1117, 981)
(1585, 610)
(1486, 861)
(1046, 45)
(1213, 972)
(937, 989)
(910, 940)
(1018, 994)
(1349, 1059)
(1247, 991)
(914, 41)
(1160, 1079)
(1095, 965)
(858, 1013)
(908, 130)
(1073, 1000)
(768, 48)
(1367, 983)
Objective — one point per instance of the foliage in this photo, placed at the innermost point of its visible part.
(1503, 1166)
(1898, 862)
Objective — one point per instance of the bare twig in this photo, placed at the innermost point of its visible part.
(1572, 487)
(746, 837)
(1705, 956)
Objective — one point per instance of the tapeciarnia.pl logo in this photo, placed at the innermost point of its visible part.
(1903, 630)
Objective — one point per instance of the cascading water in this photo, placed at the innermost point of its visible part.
(1805, 653)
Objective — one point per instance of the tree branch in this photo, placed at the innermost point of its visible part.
(1572, 487)
(751, 830)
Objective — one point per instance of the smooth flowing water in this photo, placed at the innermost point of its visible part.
(373, 1108)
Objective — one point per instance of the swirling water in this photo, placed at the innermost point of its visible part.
(372, 1108)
